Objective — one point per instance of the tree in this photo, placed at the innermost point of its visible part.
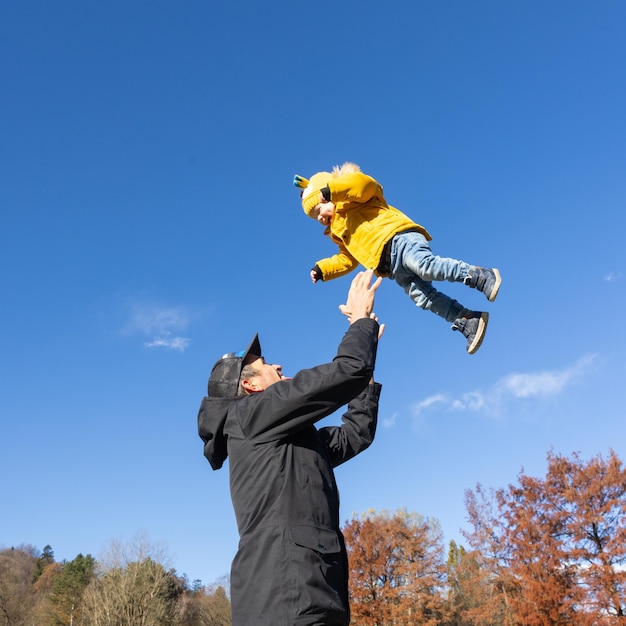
(40, 590)
(141, 594)
(133, 588)
(64, 600)
(595, 493)
(207, 606)
(470, 589)
(554, 551)
(45, 558)
(536, 533)
(17, 568)
(479, 580)
(396, 569)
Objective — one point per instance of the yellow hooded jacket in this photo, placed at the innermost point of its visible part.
(361, 225)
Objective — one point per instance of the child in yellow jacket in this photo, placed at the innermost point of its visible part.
(372, 233)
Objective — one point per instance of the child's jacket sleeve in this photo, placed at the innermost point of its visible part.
(337, 265)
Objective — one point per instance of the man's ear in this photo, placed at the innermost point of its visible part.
(249, 386)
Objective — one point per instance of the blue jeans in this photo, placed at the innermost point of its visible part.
(414, 267)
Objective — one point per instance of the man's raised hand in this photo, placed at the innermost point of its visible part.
(360, 300)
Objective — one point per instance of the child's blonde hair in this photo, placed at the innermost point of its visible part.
(346, 168)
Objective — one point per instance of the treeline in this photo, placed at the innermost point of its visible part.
(543, 552)
(129, 586)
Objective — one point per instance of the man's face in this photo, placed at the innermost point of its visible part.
(266, 374)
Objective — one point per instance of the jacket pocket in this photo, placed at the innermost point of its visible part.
(321, 540)
(318, 575)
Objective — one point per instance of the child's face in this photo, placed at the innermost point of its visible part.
(323, 212)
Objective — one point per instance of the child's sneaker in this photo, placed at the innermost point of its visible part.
(485, 280)
(473, 326)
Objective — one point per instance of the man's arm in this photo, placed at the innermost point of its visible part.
(360, 420)
(312, 394)
(358, 429)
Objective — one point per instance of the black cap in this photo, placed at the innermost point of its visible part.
(224, 378)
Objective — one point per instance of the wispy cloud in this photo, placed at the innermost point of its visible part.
(511, 387)
(543, 383)
(161, 324)
(171, 343)
(430, 401)
(612, 277)
(389, 422)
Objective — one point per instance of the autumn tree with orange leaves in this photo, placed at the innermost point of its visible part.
(553, 550)
(397, 570)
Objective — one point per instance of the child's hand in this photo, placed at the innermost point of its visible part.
(316, 274)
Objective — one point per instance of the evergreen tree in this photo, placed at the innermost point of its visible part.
(66, 594)
(45, 558)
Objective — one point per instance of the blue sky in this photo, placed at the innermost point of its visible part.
(149, 224)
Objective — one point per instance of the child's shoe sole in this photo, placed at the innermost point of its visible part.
(496, 285)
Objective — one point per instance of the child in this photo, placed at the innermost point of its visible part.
(372, 233)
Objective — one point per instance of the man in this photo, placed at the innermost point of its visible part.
(291, 566)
